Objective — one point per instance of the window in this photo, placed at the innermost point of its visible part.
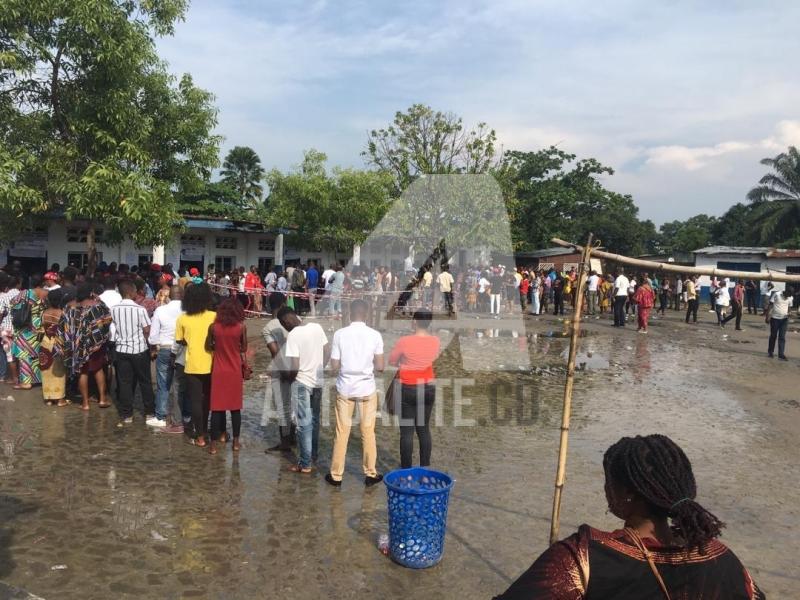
(193, 240)
(223, 264)
(226, 243)
(144, 259)
(78, 235)
(266, 245)
(264, 264)
(80, 260)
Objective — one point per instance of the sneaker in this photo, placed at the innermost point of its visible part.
(329, 478)
(125, 421)
(156, 422)
(370, 481)
(173, 429)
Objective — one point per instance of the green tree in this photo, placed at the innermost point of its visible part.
(92, 125)
(687, 236)
(776, 198)
(323, 210)
(549, 194)
(242, 170)
(735, 227)
(424, 141)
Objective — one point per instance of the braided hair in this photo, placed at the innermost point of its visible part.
(658, 471)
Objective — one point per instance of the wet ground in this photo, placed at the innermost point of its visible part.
(90, 511)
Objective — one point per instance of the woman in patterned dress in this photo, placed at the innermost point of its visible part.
(54, 377)
(26, 339)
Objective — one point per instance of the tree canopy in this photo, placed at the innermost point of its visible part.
(776, 198)
(242, 171)
(327, 210)
(91, 124)
(423, 141)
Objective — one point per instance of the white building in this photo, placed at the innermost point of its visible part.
(745, 258)
(205, 241)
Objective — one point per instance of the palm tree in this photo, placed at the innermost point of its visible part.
(776, 210)
(243, 171)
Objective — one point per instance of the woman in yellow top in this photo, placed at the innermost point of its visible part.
(191, 330)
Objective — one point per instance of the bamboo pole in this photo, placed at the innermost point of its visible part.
(567, 408)
(653, 266)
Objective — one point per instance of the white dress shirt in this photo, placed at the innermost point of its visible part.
(162, 329)
(355, 347)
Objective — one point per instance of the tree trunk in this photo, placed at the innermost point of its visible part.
(91, 263)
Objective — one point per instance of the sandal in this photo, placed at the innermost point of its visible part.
(299, 469)
(85, 408)
(63, 402)
(20, 386)
(104, 404)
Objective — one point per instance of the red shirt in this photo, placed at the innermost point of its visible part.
(414, 354)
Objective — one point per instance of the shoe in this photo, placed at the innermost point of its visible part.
(329, 478)
(125, 421)
(156, 422)
(770, 354)
(370, 481)
(783, 358)
(173, 429)
(739, 329)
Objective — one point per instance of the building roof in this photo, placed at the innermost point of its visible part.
(221, 223)
(547, 252)
(733, 250)
(783, 253)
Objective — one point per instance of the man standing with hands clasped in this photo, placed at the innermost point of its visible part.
(357, 352)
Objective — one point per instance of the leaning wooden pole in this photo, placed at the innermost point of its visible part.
(561, 471)
(652, 266)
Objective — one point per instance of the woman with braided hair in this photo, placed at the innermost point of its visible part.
(667, 549)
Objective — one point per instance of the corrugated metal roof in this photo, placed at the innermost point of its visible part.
(733, 250)
(783, 253)
(558, 251)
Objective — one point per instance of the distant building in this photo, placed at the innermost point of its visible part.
(561, 259)
(746, 258)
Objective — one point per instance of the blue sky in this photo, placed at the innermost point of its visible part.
(681, 98)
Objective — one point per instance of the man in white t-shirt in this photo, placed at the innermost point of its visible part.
(307, 351)
(777, 315)
(356, 352)
(445, 282)
(621, 285)
(591, 292)
(275, 336)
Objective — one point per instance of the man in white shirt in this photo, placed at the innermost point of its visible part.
(307, 351)
(357, 352)
(445, 282)
(777, 315)
(162, 337)
(621, 285)
(110, 296)
(275, 336)
(591, 292)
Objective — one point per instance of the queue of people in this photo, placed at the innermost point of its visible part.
(182, 349)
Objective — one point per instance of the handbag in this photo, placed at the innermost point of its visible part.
(45, 359)
(21, 313)
(392, 396)
(637, 541)
(247, 371)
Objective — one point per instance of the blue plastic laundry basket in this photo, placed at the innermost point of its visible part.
(417, 515)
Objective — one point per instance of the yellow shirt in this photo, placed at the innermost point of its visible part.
(194, 329)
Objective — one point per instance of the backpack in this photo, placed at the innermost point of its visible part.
(298, 279)
(21, 313)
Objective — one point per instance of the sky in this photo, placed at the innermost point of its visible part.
(681, 98)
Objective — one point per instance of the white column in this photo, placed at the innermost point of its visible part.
(158, 254)
(279, 249)
(357, 255)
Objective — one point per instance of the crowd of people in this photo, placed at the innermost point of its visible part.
(79, 336)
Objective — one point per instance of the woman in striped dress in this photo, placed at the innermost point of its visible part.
(26, 341)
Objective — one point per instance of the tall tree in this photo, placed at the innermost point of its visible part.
(424, 141)
(689, 235)
(776, 214)
(323, 210)
(242, 170)
(550, 194)
(92, 125)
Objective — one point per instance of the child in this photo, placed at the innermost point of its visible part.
(472, 299)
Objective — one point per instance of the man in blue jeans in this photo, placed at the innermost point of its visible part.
(307, 351)
(162, 337)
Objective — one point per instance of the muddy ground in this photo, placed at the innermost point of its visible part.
(90, 511)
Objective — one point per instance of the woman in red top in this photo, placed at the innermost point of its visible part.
(227, 339)
(645, 299)
(414, 355)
